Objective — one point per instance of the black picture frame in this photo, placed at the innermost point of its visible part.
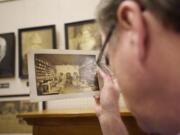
(7, 55)
(42, 37)
(12, 96)
(82, 35)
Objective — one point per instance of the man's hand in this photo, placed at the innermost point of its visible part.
(108, 99)
(107, 107)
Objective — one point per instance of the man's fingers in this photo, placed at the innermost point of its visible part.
(103, 75)
(97, 99)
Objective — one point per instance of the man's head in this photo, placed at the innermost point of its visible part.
(144, 55)
(2, 48)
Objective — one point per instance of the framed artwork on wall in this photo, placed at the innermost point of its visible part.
(1, 1)
(83, 35)
(7, 55)
(56, 74)
(10, 107)
(43, 37)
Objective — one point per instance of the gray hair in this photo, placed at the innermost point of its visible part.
(167, 11)
(106, 14)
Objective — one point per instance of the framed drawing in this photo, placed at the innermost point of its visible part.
(10, 107)
(43, 37)
(1, 1)
(7, 55)
(83, 35)
(56, 74)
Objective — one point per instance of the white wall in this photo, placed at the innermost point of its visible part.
(30, 13)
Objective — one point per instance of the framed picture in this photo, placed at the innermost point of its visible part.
(7, 55)
(10, 107)
(56, 74)
(83, 35)
(43, 37)
(1, 1)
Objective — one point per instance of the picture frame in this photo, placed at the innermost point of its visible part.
(2, 1)
(10, 106)
(83, 35)
(42, 37)
(7, 55)
(56, 74)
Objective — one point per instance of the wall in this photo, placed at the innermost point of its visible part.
(30, 13)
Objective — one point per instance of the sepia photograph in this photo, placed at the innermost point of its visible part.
(7, 55)
(83, 35)
(43, 37)
(10, 107)
(55, 73)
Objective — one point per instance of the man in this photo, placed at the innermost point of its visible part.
(143, 48)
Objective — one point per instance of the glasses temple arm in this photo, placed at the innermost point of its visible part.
(105, 43)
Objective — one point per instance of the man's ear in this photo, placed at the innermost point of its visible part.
(130, 19)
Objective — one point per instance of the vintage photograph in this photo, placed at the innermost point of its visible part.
(43, 37)
(62, 73)
(83, 35)
(9, 108)
(7, 55)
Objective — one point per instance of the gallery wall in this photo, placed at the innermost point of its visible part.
(30, 13)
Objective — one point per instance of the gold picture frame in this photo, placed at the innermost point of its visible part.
(82, 35)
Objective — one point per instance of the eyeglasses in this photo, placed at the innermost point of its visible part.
(100, 60)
